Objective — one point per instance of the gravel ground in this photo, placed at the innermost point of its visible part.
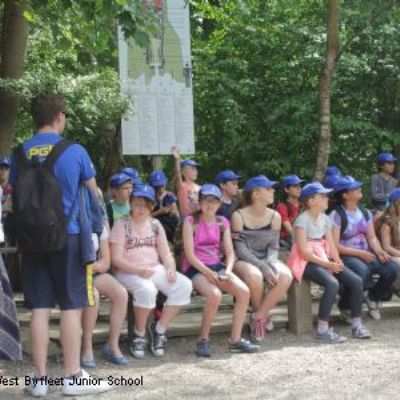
(288, 367)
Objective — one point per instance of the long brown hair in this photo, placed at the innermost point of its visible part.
(390, 217)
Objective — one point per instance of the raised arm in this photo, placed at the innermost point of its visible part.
(177, 171)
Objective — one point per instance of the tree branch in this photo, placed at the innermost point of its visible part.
(375, 15)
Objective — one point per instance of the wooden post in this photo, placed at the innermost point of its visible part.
(130, 318)
(299, 308)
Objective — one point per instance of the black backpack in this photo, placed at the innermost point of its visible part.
(343, 217)
(38, 212)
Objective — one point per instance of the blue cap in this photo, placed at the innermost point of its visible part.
(134, 174)
(189, 163)
(330, 181)
(5, 161)
(158, 178)
(119, 179)
(208, 189)
(386, 157)
(169, 198)
(346, 183)
(259, 181)
(226, 176)
(145, 191)
(333, 170)
(291, 180)
(313, 188)
(393, 196)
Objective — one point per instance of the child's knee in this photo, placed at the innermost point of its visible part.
(145, 296)
(214, 296)
(332, 286)
(285, 277)
(181, 292)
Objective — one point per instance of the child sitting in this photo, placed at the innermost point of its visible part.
(228, 182)
(144, 265)
(314, 256)
(289, 208)
(121, 189)
(389, 233)
(209, 259)
(165, 210)
(354, 235)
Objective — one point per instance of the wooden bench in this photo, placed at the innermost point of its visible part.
(298, 304)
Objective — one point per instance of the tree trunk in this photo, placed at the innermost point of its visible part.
(333, 48)
(14, 39)
(113, 162)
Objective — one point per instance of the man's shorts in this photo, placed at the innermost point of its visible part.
(56, 278)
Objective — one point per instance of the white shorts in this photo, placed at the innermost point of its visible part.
(144, 290)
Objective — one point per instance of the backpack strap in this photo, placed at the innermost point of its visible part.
(110, 214)
(343, 219)
(364, 212)
(56, 152)
(154, 226)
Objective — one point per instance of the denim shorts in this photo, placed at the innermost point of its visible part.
(191, 272)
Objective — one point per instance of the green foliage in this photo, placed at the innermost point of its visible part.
(257, 79)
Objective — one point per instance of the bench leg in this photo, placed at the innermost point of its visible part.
(131, 318)
(299, 308)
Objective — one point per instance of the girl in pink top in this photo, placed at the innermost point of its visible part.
(145, 265)
(204, 264)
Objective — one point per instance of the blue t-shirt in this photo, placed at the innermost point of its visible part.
(72, 168)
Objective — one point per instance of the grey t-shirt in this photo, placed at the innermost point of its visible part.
(315, 229)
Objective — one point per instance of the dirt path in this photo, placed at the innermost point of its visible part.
(288, 367)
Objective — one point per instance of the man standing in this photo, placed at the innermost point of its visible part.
(57, 276)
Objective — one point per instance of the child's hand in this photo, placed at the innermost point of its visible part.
(176, 152)
(99, 267)
(383, 256)
(212, 276)
(171, 275)
(334, 267)
(367, 256)
(146, 272)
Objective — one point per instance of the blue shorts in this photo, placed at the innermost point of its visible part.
(191, 272)
(56, 278)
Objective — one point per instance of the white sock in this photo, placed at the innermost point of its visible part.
(160, 329)
(356, 322)
(140, 333)
(323, 326)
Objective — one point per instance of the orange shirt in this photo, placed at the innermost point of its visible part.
(188, 197)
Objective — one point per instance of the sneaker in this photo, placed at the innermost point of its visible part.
(361, 332)
(269, 325)
(37, 387)
(330, 336)
(373, 309)
(157, 341)
(203, 348)
(84, 384)
(138, 346)
(257, 328)
(346, 315)
(243, 346)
